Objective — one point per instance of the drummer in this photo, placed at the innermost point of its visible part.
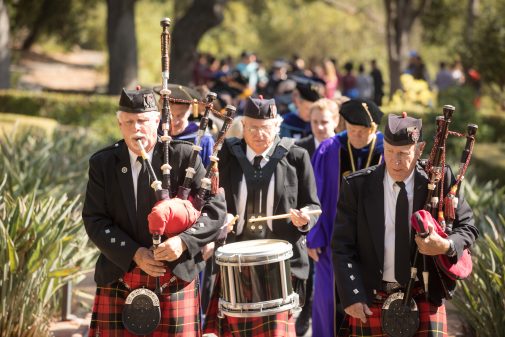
(265, 175)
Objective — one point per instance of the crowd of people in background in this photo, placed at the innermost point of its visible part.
(234, 80)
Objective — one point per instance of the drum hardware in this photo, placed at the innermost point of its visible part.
(256, 278)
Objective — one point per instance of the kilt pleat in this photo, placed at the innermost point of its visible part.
(278, 325)
(179, 304)
(432, 322)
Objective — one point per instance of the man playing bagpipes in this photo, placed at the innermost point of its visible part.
(264, 175)
(385, 286)
(116, 209)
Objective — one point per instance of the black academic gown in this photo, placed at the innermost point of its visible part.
(308, 143)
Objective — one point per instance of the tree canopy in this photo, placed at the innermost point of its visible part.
(314, 29)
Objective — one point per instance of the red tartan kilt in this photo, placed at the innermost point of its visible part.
(432, 321)
(278, 325)
(179, 304)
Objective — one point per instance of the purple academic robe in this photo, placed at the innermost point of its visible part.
(326, 159)
(207, 142)
(327, 163)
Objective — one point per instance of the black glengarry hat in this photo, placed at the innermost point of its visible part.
(258, 108)
(309, 89)
(361, 112)
(403, 130)
(137, 101)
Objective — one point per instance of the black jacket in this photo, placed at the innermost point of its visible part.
(109, 212)
(358, 236)
(308, 144)
(294, 188)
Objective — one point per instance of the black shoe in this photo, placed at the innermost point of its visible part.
(302, 323)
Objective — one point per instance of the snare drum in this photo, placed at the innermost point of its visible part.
(256, 278)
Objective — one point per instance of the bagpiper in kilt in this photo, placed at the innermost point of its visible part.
(116, 207)
(374, 246)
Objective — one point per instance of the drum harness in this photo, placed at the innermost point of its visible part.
(258, 180)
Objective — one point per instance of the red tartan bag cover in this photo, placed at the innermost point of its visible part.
(455, 271)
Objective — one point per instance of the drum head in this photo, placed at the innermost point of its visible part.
(141, 313)
(253, 251)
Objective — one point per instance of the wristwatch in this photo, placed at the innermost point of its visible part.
(451, 252)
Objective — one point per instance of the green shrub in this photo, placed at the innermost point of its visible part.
(41, 233)
(480, 298)
(65, 108)
(56, 164)
(44, 246)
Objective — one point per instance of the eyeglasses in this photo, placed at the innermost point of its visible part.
(264, 129)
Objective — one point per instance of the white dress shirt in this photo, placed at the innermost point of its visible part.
(135, 168)
(242, 192)
(391, 191)
(316, 143)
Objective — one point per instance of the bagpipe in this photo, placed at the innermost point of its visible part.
(173, 214)
(400, 317)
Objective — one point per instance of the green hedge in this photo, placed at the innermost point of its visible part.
(65, 108)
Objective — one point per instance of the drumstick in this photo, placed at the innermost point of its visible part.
(282, 216)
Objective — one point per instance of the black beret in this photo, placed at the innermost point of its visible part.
(361, 112)
(258, 108)
(403, 130)
(137, 101)
(309, 89)
(180, 93)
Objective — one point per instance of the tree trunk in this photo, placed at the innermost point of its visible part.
(201, 16)
(122, 44)
(470, 19)
(4, 47)
(35, 31)
(400, 17)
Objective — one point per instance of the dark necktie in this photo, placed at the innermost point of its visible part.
(142, 193)
(257, 195)
(257, 162)
(402, 236)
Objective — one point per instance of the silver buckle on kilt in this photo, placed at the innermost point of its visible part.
(141, 312)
